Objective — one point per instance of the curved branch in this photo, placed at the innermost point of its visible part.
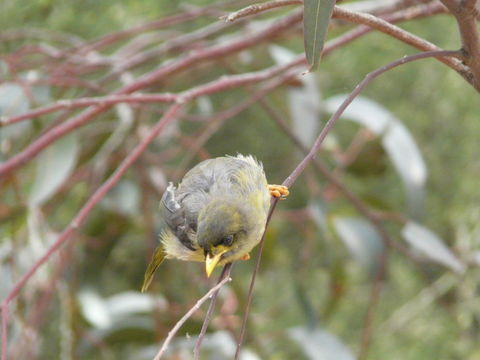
(465, 13)
(290, 180)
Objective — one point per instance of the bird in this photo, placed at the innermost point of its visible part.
(217, 214)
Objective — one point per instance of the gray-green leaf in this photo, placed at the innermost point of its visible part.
(316, 16)
(54, 166)
(431, 246)
(361, 240)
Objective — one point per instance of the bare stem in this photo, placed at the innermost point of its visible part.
(404, 36)
(189, 313)
(85, 102)
(227, 269)
(4, 309)
(372, 304)
(273, 204)
(258, 8)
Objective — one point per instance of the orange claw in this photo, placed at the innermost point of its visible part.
(278, 191)
(245, 257)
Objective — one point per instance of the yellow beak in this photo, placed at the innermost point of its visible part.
(211, 262)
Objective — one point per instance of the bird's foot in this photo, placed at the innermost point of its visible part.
(278, 191)
(245, 257)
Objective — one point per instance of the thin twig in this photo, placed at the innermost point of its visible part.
(227, 269)
(4, 309)
(258, 8)
(372, 304)
(85, 102)
(453, 61)
(290, 180)
(273, 204)
(189, 313)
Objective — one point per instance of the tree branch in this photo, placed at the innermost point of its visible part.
(196, 350)
(189, 313)
(258, 8)
(465, 14)
(404, 36)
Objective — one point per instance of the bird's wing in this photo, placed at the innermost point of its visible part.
(174, 215)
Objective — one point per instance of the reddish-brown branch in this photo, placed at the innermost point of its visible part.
(85, 102)
(404, 36)
(465, 14)
(211, 53)
(165, 48)
(154, 25)
(208, 54)
(258, 8)
(421, 10)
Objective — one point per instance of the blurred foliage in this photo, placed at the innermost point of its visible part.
(315, 281)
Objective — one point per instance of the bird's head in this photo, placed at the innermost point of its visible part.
(224, 227)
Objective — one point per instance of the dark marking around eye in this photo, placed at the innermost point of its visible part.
(227, 240)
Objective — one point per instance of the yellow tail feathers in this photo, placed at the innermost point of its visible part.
(157, 259)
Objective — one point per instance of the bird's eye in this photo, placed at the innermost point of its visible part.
(227, 240)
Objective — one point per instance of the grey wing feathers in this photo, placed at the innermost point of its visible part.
(174, 216)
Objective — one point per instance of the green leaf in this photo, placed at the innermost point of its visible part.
(316, 16)
(13, 101)
(431, 246)
(124, 198)
(361, 240)
(54, 166)
(319, 344)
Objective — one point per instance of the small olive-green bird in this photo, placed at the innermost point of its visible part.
(217, 214)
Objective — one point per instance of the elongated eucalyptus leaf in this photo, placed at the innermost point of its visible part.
(361, 240)
(13, 101)
(431, 246)
(54, 166)
(319, 344)
(316, 16)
